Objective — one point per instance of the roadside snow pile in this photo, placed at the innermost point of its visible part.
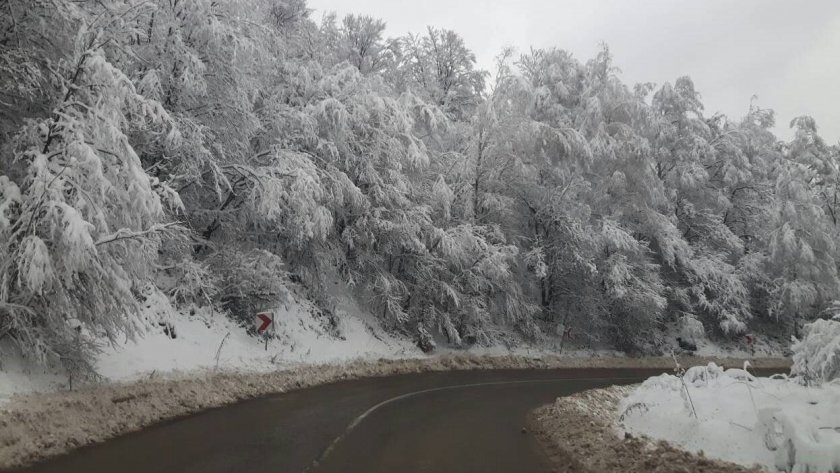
(729, 414)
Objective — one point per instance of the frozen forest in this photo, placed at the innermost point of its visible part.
(223, 152)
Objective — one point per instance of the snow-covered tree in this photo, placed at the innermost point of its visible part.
(816, 357)
(82, 223)
(440, 67)
(801, 245)
(225, 150)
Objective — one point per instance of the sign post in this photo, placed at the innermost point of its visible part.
(265, 320)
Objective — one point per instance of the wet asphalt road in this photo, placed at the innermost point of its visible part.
(462, 421)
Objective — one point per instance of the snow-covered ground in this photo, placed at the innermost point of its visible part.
(174, 343)
(729, 414)
(177, 343)
(772, 342)
(205, 340)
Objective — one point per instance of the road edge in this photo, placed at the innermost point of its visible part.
(39, 426)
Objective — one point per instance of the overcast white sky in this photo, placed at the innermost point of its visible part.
(785, 51)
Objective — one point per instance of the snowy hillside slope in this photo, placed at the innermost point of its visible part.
(767, 340)
(174, 343)
(207, 340)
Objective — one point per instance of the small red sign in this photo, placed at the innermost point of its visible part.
(265, 321)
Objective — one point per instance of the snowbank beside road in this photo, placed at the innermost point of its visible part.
(732, 415)
(579, 436)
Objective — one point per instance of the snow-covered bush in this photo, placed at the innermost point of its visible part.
(816, 357)
(249, 281)
(691, 329)
(425, 341)
(193, 282)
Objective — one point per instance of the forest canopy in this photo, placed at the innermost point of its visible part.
(224, 151)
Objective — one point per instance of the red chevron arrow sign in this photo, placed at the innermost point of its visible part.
(264, 320)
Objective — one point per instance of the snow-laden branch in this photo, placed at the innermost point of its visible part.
(126, 234)
(9, 307)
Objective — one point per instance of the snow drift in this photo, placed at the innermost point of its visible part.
(730, 414)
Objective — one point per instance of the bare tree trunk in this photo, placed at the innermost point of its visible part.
(477, 181)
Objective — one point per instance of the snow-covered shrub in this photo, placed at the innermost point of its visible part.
(702, 375)
(832, 311)
(816, 357)
(193, 283)
(691, 329)
(250, 281)
(425, 341)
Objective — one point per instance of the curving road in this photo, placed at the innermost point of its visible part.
(461, 421)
